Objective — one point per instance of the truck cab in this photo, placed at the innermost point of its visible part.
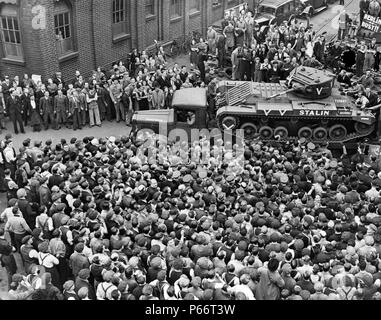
(185, 103)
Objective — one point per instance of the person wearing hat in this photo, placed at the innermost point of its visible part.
(147, 293)
(69, 292)
(160, 285)
(14, 108)
(19, 288)
(106, 287)
(18, 227)
(6, 256)
(78, 261)
(44, 222)
(28, 254)
(25, 208)
(270, 282)
(82, 281)
(83, 294)
(49, 262)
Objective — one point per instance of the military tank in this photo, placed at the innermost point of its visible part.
(307, 105)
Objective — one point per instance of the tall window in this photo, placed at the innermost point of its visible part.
(10, 30)
(176, 8)
(63, 28)
(150, 8)
(194, 5)
(120, 18)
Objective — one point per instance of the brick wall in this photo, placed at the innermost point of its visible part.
(92, 26)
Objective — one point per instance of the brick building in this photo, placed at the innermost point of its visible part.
(44, 36)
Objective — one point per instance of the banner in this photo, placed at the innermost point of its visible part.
(234, 12)
(36, 78)
(371, 23)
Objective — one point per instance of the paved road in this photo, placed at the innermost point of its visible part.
(327, 21)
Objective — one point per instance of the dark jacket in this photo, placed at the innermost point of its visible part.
(46, 105)
(14, 106)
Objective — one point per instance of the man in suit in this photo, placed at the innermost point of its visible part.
(319, 49)
(47, 110)
(61, 109)
(372, 97)
(15, 111)
(74, 109)
(25, 106)
(158, 98)
(7, 85)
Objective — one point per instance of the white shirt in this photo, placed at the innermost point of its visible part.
(47, 260)
(244, 289)
(9, 154)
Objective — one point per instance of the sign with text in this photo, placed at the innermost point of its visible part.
(371, 23)
(235, 11)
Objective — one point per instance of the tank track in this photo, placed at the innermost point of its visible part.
(350, 138)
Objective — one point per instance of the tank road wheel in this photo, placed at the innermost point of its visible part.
(282, 132)
(364, 129)
(320, 133)
(229, 123)
(305, 133)
(338, 132)
(266, 132)
(249, 130)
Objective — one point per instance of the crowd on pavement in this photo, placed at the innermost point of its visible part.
(96, 219)
(145, 81)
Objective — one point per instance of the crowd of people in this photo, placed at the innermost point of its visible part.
(94, 219)
(145, 80)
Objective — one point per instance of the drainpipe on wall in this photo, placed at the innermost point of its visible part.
(93, 34)
(137, 24)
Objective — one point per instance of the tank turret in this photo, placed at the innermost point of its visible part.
(311, 83)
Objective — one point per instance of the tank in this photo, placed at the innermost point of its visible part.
(307, 105)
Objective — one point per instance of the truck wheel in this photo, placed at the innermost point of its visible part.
(229, 123)
(249, 130)
(305, 132)
(338, 132)
(320, 133)
(266, 132)
(282, 132)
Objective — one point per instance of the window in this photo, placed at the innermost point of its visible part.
(176, 8)
(194, 5)
(120, 19)
(150, 8)
(11, 35)
(63, 28)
